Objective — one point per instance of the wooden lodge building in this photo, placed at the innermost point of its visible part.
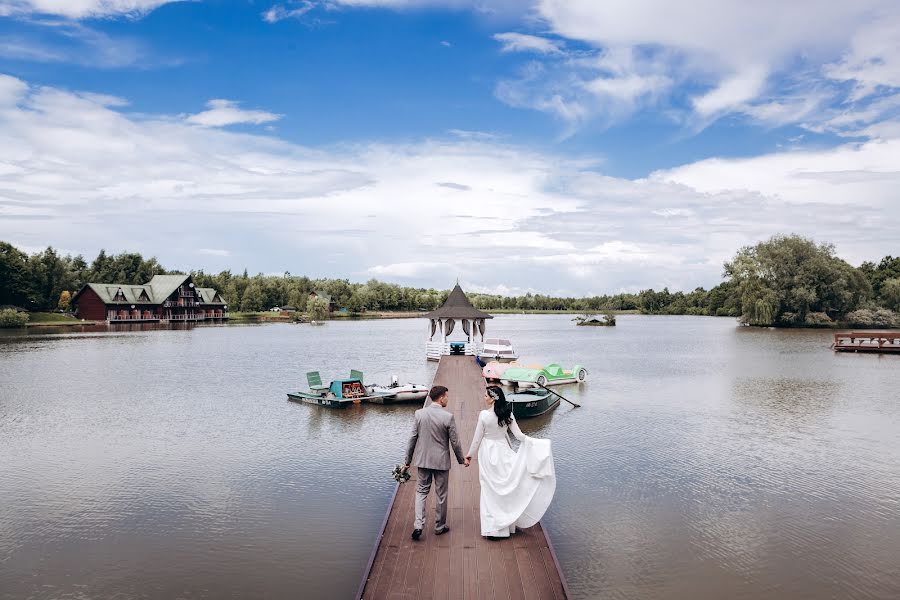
(163, 298)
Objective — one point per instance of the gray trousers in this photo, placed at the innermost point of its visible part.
(423, 486)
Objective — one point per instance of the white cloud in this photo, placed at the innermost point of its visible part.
(80, 9)
(521, 42)
(466, 134)
(221, 113)
(407, 270)
(673, 212)
(770, 61)
(61, 40)
(78, 173)
(873, 58)
(732, 92)
(11, 90)
(734, 56)
(859, 172)
(213, 252)
(287, 10)
(608, 85)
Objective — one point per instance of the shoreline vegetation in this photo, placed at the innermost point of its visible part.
(786, 281)
(48, 319)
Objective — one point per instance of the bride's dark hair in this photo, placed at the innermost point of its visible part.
(502, 408)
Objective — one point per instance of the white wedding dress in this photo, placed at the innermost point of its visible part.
(516, 487)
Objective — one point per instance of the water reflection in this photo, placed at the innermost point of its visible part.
(707, 461)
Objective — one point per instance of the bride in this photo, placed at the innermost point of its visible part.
(516, 487)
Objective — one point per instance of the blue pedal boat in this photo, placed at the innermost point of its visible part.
(340, 394)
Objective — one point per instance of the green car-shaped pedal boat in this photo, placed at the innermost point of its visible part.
(537, 399)
(552, 374)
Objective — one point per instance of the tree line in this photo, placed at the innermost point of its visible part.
(784, 281)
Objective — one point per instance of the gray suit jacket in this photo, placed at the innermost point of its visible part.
(433, 431)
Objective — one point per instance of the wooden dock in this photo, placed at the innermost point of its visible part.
(461, 563)
(885, 342)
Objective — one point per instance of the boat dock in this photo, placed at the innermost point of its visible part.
(460, 563)
(867, 341)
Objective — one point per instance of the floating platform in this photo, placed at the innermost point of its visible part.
(885, 342)
(460, 564)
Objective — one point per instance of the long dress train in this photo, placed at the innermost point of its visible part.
(516, 487)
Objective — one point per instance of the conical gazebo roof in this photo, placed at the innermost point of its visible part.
(457, 306)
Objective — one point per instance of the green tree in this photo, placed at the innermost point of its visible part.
(15, 277)
(652, 302)
(890, 293)
(316, 309)
(786, 278)
(11, 318)
(887, 268)
(49, 277)
(253, 298)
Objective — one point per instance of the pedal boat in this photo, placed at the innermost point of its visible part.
(397, 393)
(340, 394)
(552, 374)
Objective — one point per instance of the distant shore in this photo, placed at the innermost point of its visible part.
(49, 319)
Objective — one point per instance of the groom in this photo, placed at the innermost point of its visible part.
(437, 428)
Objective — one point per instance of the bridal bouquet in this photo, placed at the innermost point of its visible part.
(400, 475)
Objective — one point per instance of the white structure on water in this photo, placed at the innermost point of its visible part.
(443, 320)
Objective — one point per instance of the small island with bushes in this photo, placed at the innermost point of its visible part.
(608, 319)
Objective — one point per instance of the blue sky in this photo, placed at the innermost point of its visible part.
(564, 146)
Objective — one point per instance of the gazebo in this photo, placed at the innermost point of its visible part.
(443, 320)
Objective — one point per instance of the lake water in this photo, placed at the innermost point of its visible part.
(708, 461)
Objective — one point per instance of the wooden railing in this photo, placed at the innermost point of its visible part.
(132, 318)
(867, 341)
(435, 350)
(154, 317)
(176, 304)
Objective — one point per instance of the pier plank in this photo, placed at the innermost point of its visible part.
(461, 563)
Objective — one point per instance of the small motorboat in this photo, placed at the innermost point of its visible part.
(341, 393)
(552, 374)
(397, 392)
(532, 402)
(498, 349)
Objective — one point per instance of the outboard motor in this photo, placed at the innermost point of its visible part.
(394, 381)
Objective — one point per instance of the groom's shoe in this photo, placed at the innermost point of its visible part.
(442, 530)
(416, 534)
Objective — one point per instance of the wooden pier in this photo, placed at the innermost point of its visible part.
(461, 563)
(885, 342)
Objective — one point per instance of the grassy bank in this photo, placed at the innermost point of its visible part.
(49, 317)
(260, 317)
(53, 319)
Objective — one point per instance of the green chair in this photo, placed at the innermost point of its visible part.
(315, 382)
(354, 374)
